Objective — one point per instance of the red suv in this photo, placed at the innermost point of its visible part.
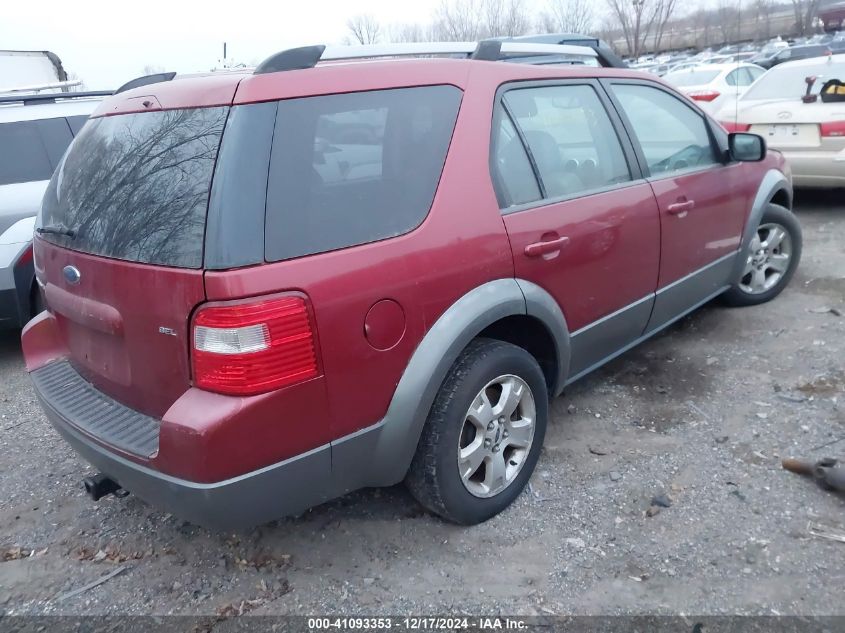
(266, 290)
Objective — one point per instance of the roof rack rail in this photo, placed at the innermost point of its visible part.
(145, 80)
(36, 88)
(604, 53)
(486, 50)
(51, 97)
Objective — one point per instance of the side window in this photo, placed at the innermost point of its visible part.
(354, 168)
(56, 136)
(673, 136)
(76, 123)
(514, 175)
(31, 149)
(570, 137)
(755, 73)
(734, 78)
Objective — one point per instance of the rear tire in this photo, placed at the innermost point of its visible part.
(483, 435)
(770, 259)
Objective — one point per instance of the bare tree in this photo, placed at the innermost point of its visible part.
(409, 32)
(637, 19)
(458, 20)
(805, 15)
(80, 87)
(665, 11)
(763, 10)
(364, 28)
(729, 13)
(504, 18)
(567, 16)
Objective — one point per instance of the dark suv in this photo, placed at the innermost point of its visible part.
(266, 290)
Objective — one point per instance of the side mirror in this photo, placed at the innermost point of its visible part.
(746, 147)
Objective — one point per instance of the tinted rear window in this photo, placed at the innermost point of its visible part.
(135, 187)
(31, 150)
(355, 168)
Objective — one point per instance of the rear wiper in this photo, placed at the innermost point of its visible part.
(56, 230)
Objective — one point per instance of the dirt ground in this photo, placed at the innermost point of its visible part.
(701, 414)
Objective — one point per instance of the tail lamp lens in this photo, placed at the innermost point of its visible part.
(834, 129)
(251, 348)
(703, 95)
(735, 127)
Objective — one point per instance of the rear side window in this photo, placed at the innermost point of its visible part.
(31, 150)
(355, 168)
(136, 186)
(570, 137)
(514, 174)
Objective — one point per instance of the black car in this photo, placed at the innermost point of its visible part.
(793, 53)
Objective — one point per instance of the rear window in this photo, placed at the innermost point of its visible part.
(31, 150)
(684, 78)
(135, 187)
(355, 168)
(789, 81)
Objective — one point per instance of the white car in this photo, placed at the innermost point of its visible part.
(714, 85)
(810, 135)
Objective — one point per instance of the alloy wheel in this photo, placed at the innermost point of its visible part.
(496, 436)
(770, 253)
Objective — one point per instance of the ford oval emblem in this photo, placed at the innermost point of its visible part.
(72, 274)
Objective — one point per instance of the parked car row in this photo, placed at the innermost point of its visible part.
(767, 55)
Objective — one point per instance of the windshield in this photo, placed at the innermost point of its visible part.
(685, 78)
(135, 187)
(788, 82)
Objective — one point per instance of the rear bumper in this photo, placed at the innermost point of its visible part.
(286, 488)
(816, 168)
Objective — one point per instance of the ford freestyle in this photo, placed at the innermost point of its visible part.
(266, 289)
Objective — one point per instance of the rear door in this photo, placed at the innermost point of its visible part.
(120, 251)
(703, 201)
(582, 222)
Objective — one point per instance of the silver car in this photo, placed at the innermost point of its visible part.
(35, 131)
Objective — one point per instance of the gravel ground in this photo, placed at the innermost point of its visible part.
(701, 415)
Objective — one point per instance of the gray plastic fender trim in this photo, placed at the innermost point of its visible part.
(451, 333)
(772, 182)
(389, 446)
(542, 305)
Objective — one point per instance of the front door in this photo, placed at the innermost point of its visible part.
(582, 223)
(702, 200)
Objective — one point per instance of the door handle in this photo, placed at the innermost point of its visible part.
(547, 246)
(681, 207)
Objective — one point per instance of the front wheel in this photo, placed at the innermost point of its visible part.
(770, 258)
(483, 435)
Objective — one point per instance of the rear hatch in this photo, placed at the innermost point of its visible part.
(792, 125)
(120, 246)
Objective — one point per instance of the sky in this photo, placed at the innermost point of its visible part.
(108, 43)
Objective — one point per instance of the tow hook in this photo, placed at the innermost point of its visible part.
(101, 485)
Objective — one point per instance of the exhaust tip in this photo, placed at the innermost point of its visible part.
(100, 485)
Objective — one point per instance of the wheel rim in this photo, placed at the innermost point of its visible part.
(769, 255)
(496, 436)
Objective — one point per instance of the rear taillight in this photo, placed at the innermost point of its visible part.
(735, 127)
(703, 95)
(834, 129)
(250, 348)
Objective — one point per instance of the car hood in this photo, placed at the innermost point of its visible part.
(20, 200)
